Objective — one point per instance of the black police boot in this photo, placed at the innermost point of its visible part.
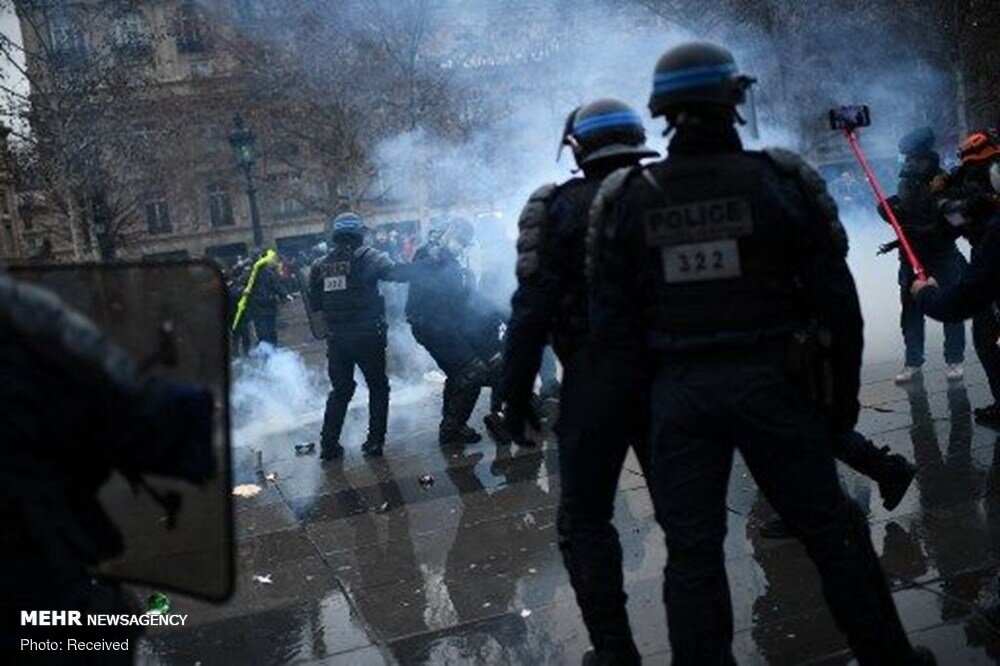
(452, 434)
(496, 429)
(891, 471)
(333, 424)
(331, 451)
(894, 478)
(372, 448)
(988, 415)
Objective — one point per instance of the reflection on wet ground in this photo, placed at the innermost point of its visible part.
(368, 565)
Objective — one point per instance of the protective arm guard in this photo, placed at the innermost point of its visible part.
(612, 265)
(534, 302)
(830, 293)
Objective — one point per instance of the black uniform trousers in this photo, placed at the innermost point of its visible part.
(344, 351)
(703, 411)
(602, 411)
(451, 349)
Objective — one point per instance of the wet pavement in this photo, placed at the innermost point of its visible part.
(367, 565)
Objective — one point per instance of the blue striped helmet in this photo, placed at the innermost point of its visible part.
(347, 223)
(696, 73)
(603, 129)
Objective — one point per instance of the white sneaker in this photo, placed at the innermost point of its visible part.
(954, 372)
(907, 374)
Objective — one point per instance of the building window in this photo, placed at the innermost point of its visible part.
(157, 214)
(66, 38)
(130, 36)
(219, 206)
(192, 29)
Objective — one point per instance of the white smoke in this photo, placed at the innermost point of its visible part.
(527, 82)
(274, 391)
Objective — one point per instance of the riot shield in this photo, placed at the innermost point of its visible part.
(170, 318)
(316, 319)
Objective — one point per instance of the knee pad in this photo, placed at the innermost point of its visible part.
(343, 391)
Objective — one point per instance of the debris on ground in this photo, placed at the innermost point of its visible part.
(525, 613)
(426, 481)
(157, 604)
(382, 508)
(271, 476)
(246, 490)
(305, 448)
(263, 580)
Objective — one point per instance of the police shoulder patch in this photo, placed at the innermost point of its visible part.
(531, 230)
(813, 187)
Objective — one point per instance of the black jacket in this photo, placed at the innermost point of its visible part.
(978, 288)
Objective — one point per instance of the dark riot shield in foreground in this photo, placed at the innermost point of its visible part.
(317, 321)
(135, 305)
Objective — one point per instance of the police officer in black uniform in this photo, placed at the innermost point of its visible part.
(445, 318)
(344, 285)
(551, 303)
(720, 262)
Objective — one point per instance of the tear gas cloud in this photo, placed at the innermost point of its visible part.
(608, 50)
(529, 68)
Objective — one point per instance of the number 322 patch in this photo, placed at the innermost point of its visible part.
(698, 262)
(335, 283)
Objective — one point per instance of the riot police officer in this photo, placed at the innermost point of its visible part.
(720, 262)
(344, 285)
(450, 321)
(551, 302)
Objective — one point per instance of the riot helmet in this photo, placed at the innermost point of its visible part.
(697, 76)
(605, 129)
(347, 227)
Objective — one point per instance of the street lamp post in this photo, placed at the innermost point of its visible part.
(244, 144)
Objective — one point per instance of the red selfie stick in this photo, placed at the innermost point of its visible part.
(904, 242)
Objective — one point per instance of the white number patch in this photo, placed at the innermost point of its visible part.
(699, 262)
(335, 283)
